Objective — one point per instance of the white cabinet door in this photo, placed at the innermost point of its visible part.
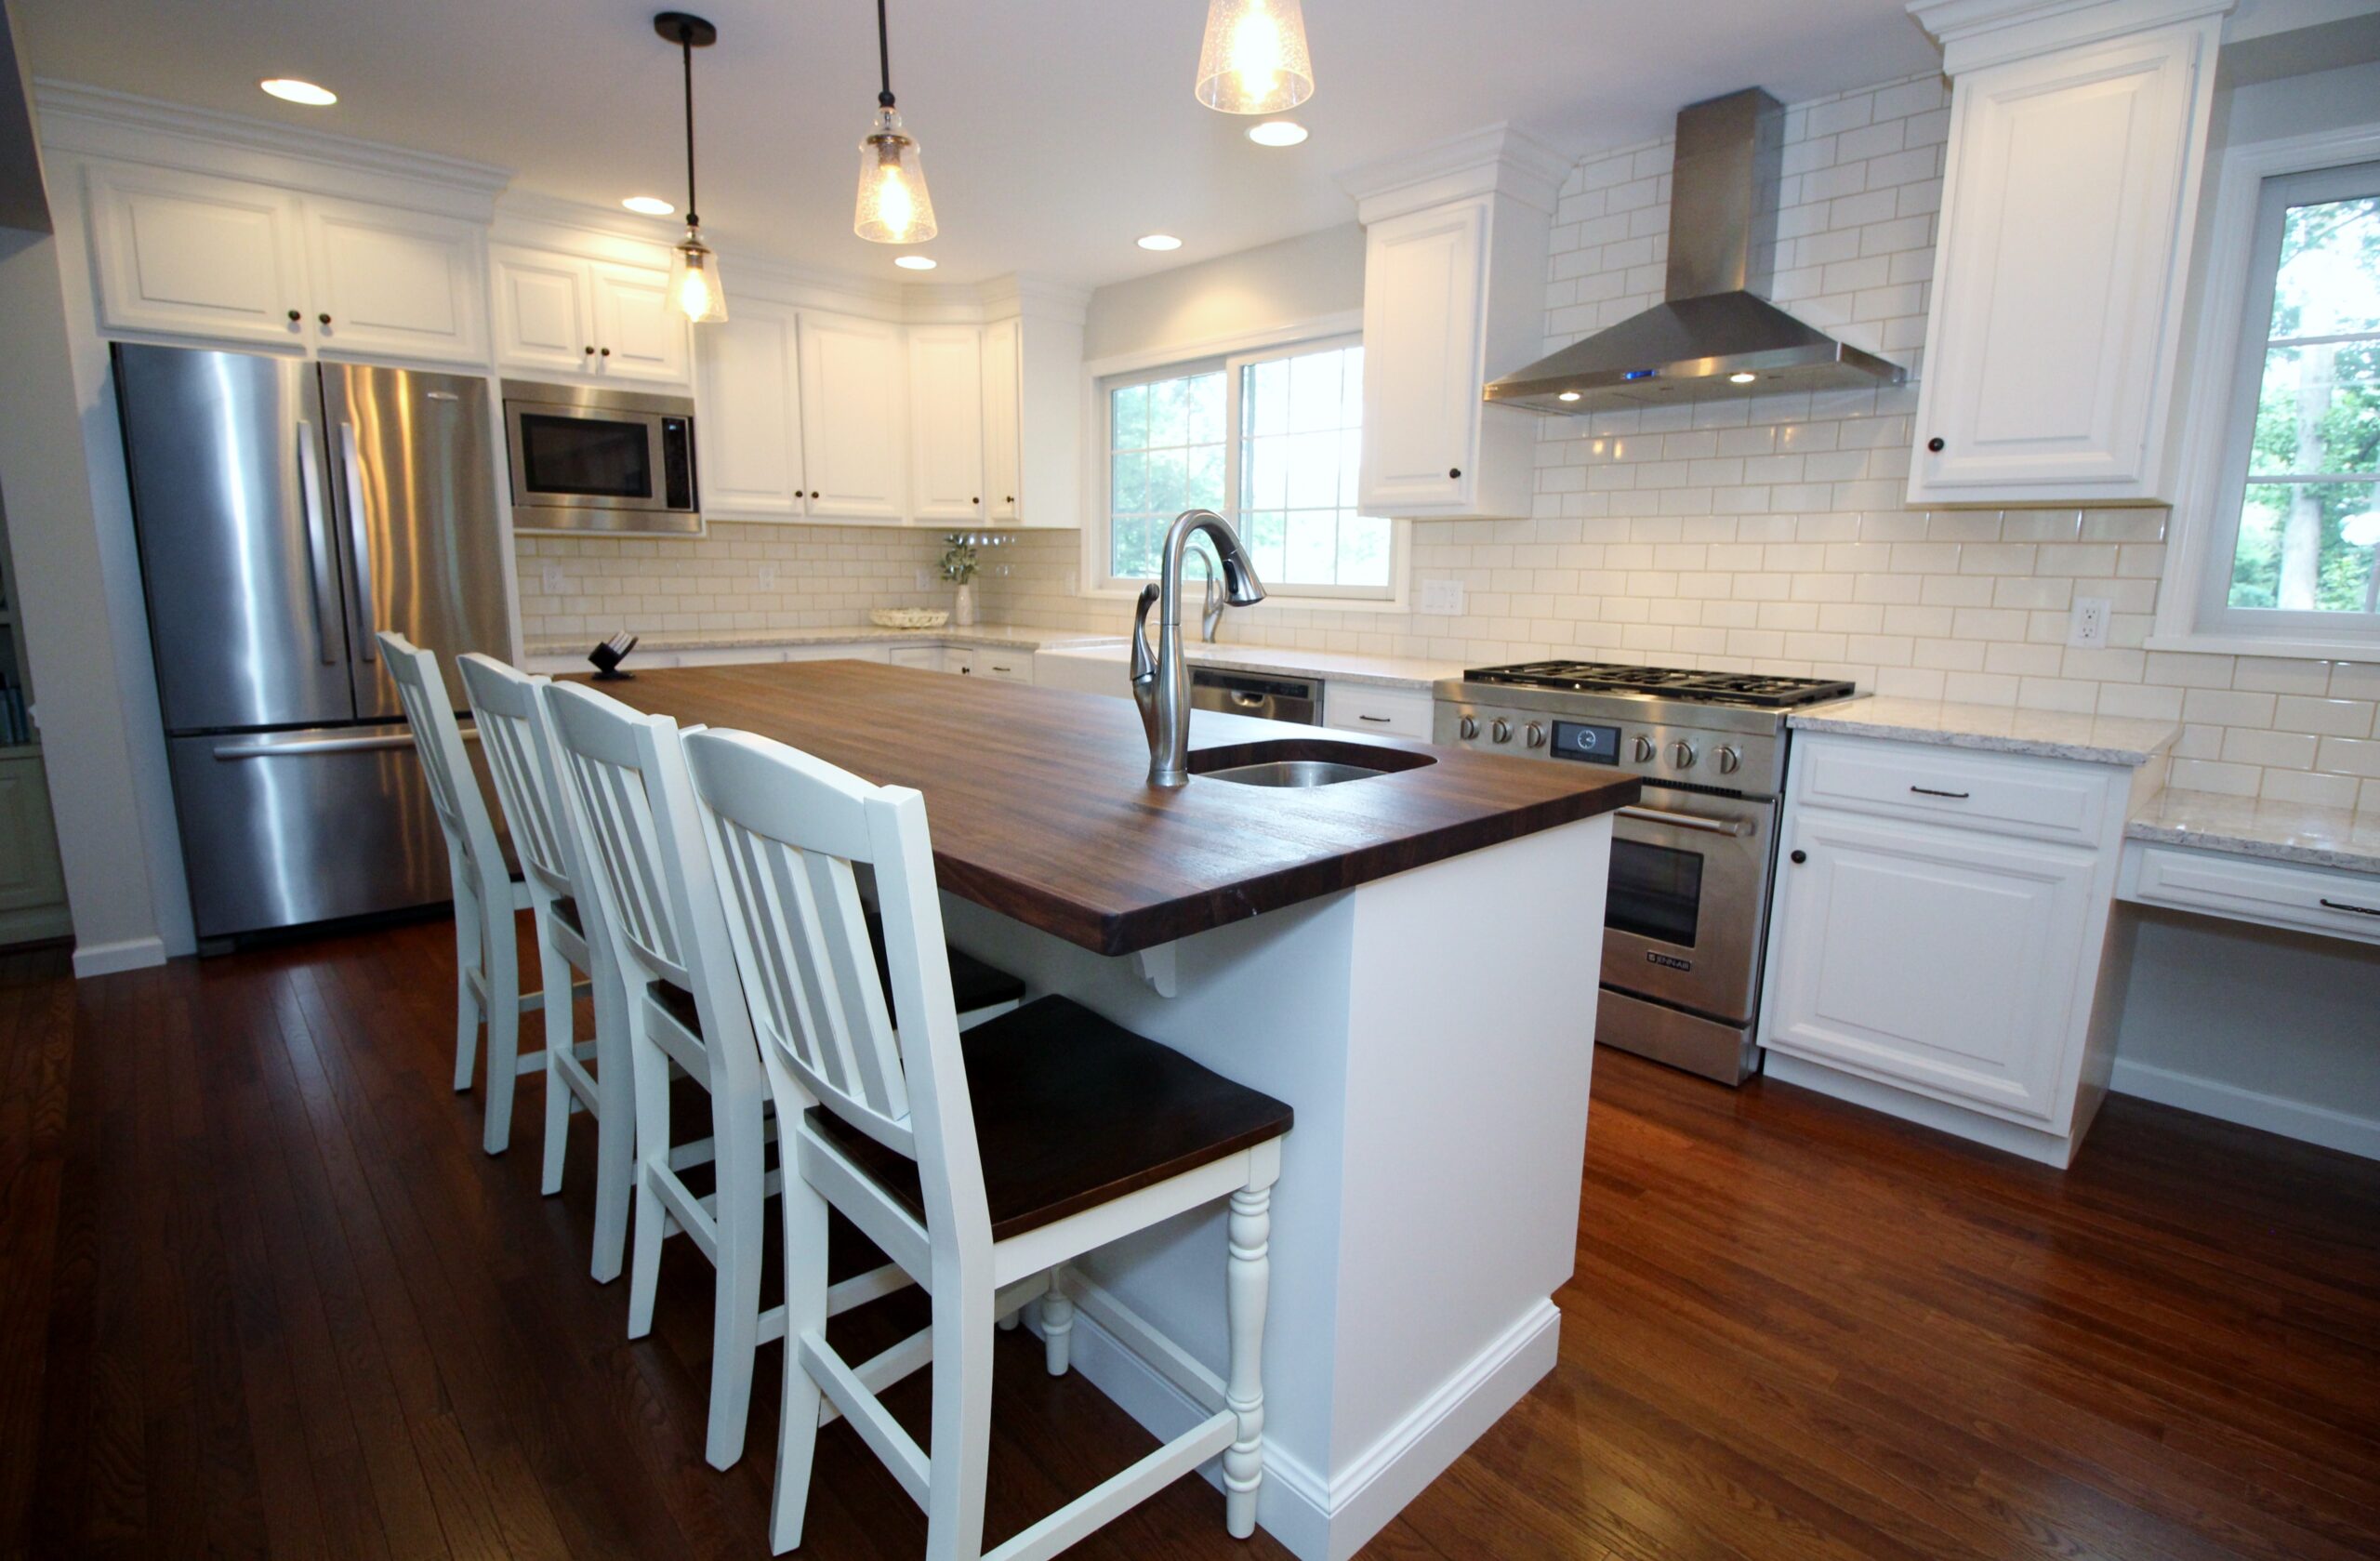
(750, 413)
(945, 423)
(854, 429)
(2059, 273)
(1003, 422)
(196, 256)
(395, 283)
(638, 334)
(29, 870)
(1424, 296)
(1929, 957)
(544, 320)
(925, 659)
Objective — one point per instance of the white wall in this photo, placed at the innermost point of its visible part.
(1284, 283)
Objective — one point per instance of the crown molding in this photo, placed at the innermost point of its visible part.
(94, 122)
(1498, 159)
(1976, 34)
(1006, 298)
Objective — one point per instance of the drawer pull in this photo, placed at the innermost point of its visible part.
(2359, 910)
(1382, 720)
(1929, 791)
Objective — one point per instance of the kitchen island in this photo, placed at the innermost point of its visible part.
(1408, 959)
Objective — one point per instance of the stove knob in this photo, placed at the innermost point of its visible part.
(1729, 760)
(1500, 729)
(1643, 750)
(1534, 733)
(1681, 755)
(1469, 727)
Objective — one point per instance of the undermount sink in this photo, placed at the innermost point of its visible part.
(1302, 763)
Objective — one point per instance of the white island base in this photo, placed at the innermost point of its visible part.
(1433, 1032)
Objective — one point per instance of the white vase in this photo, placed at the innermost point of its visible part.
(962, 612)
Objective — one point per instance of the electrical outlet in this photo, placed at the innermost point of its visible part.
(768, 574)
(2086, 625)
(925, 578)
(1442, 599)
(556, 583)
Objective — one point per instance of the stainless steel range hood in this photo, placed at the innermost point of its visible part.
(1713, 337)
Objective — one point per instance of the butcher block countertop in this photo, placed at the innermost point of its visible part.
(1040, 806)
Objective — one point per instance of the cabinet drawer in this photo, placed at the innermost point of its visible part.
(1397, 712)
(2004, 793)
(1012, 666)
(2276, 894)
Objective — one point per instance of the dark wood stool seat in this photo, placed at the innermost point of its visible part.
(1071, 1112)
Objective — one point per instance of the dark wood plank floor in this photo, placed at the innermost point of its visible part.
(261, 1295)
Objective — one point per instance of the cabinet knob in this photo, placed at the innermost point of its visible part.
(1935, 446)
(323, 318)
(813, 492)
(978, 499)
(607, 352)
(590, 351)
(1454, 471)
(1009, 500)
(295, 316)
(1798, 857)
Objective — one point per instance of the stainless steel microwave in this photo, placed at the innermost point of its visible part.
(594, 459)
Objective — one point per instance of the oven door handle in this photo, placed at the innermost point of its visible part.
(1732, 826)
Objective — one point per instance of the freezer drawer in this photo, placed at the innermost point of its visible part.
(287, 828)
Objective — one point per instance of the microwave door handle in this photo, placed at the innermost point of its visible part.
(322, 580)
(350, 460)
(1736, 828)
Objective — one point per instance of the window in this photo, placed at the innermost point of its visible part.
(2297, 508)
(1271, 441)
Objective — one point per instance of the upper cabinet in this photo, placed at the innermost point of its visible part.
(855, 417)
(185, 254)
(1003, 389)
(946, 422)
(749, 412)
(1454, 293)
(558, 313)
(2078, 136)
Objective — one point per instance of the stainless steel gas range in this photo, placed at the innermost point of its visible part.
(1690, 867)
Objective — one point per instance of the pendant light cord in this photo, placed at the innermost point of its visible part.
(686, 45)
(883, 57)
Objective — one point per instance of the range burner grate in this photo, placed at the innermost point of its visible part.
(1670, 682)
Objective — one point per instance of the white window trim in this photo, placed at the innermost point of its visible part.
(2198, 523)
(1213, 351)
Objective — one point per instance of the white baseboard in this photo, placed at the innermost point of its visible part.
(1316, 1518)
(107, 958)
(2249, 1108)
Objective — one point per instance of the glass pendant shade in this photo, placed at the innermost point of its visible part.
(694, 282)
(1254, 60)
(894, 205)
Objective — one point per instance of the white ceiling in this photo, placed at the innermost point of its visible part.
(1054, 131)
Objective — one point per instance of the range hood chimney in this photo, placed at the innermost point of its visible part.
(1713, 337)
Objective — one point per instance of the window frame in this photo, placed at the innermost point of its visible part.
(1231, 358)
(2242, 257)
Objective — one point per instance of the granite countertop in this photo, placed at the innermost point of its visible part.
(1006, 636)
(1993, 728)
(2346, 839)
(1384, 671)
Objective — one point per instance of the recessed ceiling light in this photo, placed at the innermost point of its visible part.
(648, 205)
(1741, 379)
(1568, 395)
(914, 262)
(289, 89)
(1277, 132)
(1159, 241)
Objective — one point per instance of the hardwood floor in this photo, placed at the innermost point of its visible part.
(260, 1294)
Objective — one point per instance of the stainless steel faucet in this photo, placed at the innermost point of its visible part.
(1161, 682)
(1211, 613)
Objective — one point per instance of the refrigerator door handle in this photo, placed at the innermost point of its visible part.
(350, 460)
(321, 581)
(305, 745)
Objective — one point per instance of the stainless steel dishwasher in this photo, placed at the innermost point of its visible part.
(1246, 693)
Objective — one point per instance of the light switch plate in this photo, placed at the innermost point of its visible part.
(556, 582)
(1442, 599)
(768, 574)
(925, 578)
(2086, 623)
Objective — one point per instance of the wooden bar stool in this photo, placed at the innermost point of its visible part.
(487, 897)
(517, 738)
(981, 1166)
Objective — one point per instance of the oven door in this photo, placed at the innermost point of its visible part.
(1688, 898)
(585, 458)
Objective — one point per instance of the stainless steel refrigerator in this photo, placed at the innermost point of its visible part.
(285, 512)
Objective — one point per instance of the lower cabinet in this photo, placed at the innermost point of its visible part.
(32, 889)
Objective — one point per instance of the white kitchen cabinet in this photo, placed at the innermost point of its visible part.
(975, 661)
(854, 427)
(749, 411)
(924, 658)
(1003, 391)
(1388, 712)
(2060, 265)
(396, 283)
(196, 256)
(32, 887)
(945, 423)
(565, 314)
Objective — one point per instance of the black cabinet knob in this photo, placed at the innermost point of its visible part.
(1454, 471)
(590, 351)
(323, 318)
(978, 499)
(1011, 499)
(1799, 857)
(1935, 446)
(295, 316)
(607, 352)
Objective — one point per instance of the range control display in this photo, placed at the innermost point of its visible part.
(1587, 744)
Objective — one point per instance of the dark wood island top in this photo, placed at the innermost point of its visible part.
(1041, 809)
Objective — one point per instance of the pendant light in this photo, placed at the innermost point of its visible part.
(693, 270)
(1254, 60)
(894, 205)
